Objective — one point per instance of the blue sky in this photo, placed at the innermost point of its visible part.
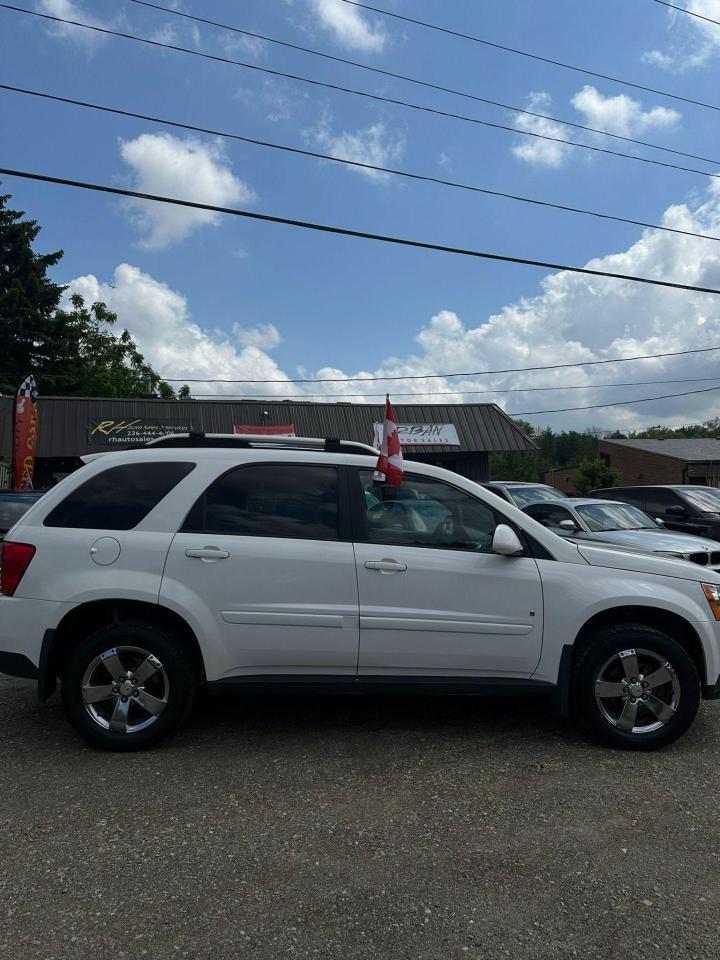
(238, 298)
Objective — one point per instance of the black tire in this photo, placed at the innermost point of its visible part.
(175, 681)
(683, 689)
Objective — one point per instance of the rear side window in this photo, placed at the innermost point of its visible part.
(118, 498)
(298, 501)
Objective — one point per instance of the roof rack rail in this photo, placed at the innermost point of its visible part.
(326, 444)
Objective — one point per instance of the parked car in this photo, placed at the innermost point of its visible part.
(13, 504)
(521, 494)
(622, 525)
(685, 508)
(241, 563)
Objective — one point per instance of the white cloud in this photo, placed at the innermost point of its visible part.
(532, 150)
(159, 320)
(577, 317)
(693, 42)
(70, 10)
(349, 26)
(372, 145)
(572, 318)
(621, 114)
(265, 336)
(188, 169)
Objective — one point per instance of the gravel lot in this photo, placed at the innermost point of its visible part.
(346, 827)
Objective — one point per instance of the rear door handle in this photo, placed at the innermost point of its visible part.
(208, 553)
(386, 566)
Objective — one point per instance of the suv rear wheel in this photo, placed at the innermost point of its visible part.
(636, 687)
(127, 686)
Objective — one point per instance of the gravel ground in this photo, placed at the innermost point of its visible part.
(348, 827)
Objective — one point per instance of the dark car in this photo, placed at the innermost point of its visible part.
(685, 508)
(520, 493)
(13, 504)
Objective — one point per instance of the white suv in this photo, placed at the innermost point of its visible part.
(243, 562)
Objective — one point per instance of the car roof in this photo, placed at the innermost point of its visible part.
(515, 483)
(576, 502)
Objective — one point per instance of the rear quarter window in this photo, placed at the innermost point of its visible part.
(118, 498)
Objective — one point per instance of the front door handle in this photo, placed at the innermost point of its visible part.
(386, 566)
(208, 553)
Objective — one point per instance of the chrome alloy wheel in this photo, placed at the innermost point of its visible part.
(125, 689)
(637, 691)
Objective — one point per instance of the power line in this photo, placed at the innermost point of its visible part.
(360, 234)
(532, 56)
(616, 403)
(418, 81)
(426, 178)
(361, 93)
(690, 13)
(448, 393)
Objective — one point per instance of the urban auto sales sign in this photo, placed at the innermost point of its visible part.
(422, 434)
(121, 431)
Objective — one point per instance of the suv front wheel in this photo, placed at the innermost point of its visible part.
(635, 687)
(127, 686)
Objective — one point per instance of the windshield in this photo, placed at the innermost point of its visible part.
(525, 495)
(12, 510)
(615, 516)
(706, 500)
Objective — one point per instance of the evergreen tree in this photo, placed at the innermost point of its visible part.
(72, 350)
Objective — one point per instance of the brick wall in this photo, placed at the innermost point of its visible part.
(640, 466)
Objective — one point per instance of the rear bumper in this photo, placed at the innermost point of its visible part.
(23, 627)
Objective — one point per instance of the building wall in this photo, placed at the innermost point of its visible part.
(641, 466)
(563, 479)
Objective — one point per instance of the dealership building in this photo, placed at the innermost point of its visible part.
(459, 437)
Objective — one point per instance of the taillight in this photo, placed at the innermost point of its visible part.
(14, 560)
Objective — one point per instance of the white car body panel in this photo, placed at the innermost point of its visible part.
(273, 606)
(452, 612)
(266, 620)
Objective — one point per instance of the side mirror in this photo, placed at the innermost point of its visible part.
(506, 542)
(568, 525)
(660, 521)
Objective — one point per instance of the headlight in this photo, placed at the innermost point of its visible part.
(712, 592)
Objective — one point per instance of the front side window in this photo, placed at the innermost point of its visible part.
(118, 498)
(658, 500)
(424, 512)
(549, 515)
(615, 517)
(298, 501)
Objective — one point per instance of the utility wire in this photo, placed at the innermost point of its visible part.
(426, 178)
(360, 93)
(448, 393)
(690, 13)
(360, 234)
(533, 56)
(616, 403)
(418, 81)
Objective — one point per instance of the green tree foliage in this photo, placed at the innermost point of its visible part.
(555, 450)
(595, 473)
(28, 298)
(71, 350)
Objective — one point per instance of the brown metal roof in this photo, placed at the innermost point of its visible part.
(481, 427)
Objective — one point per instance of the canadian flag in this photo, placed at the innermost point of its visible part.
(390, 461)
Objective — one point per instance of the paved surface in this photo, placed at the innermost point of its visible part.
(356, 828)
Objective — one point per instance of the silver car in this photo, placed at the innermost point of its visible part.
(622, 526)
